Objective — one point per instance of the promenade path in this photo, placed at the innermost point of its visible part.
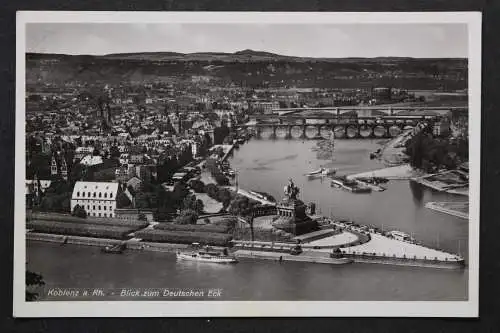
(210, 206)
(335, 240)
(382, 245)
(251, 196)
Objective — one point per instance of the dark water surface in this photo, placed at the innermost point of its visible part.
(267, 165)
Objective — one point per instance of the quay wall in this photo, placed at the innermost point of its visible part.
(438, 208)
(132, 244)
(398, 261)
(79, 240)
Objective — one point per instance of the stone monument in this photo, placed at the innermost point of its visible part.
(291, 212)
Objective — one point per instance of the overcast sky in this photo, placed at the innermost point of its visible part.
(341, 40)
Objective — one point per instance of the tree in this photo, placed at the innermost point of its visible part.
(197, 185)
(179, 193)
(189, 202)
(239, 205)
(114, 152)
(142, 200)
(199, 206)
(164, 213)
(186, 217)
(132, 191)
(219, 134)
(33, 280)
(221, 179)
(122, 200)
(79, 211)
(224, 196)
(77, 172)
(211, 190)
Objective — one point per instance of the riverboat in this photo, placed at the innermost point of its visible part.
(322, 172)
(296, 250)
(401, 236)
(115, 249)
(207, 255)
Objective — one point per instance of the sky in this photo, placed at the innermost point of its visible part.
(307, 40)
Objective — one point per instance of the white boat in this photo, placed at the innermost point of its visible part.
(401, 236)
(322, 172)
(207, 255)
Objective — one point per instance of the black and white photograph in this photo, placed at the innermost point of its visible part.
(247, 164)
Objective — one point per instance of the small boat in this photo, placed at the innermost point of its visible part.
(230, 173)
(401, 236)
(315, 172)
(208, 255)
(296, 250)
(322, 172)
(115, 249)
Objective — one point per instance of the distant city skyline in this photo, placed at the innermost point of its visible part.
(448, 40)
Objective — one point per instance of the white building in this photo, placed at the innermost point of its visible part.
(124, 158)
(97, 198)
(80, 152)
(91, 160)
(32, 185)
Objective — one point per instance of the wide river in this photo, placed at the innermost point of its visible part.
(266, 165)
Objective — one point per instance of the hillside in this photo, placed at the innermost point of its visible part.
(252, 67)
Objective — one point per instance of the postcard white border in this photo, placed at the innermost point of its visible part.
(250, 308)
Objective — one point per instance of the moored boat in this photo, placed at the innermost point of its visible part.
(207, 255)
(322, 172)
(116, 249)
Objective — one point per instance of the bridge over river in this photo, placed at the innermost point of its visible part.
(345, 122)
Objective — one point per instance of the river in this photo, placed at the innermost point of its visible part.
(266, 165)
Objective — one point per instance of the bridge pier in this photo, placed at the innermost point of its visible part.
(274, 127)
(257, 132)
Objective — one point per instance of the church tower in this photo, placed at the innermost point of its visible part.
(53, 166)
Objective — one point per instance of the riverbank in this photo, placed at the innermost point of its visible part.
(447, 181)
(392, 152)
(131, 244)
(400, 172)
(357, 243)
(452, 208)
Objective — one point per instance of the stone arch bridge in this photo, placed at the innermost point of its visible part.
(349, 128)
(344, 122)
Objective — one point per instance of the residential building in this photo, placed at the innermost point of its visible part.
(80, 152)
(97, 198)
(91, 160)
